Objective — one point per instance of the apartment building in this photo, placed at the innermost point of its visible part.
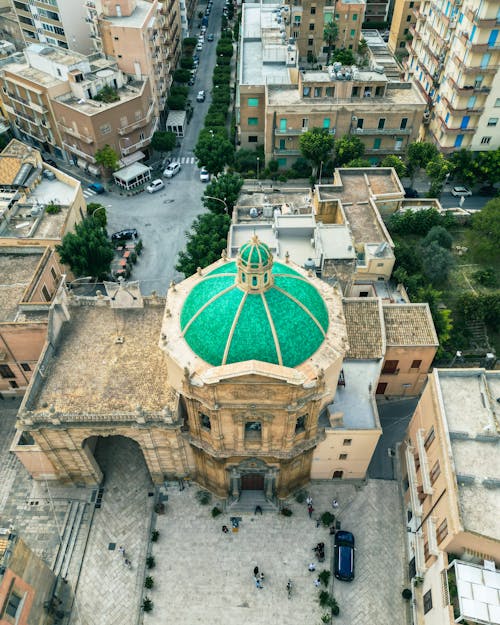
(59, 23)
(72, 105)
(143, 37)
(276, 101)
(454, 59)
(403, 18)
(305, 23)
(377, 12)
(451, 476)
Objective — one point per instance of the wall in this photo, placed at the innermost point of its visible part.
(22, 343)
(245, 112)
(407, 375)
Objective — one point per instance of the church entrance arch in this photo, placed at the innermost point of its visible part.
(253, 475)
(252, 481)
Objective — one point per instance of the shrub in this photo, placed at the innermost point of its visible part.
(300, 496)
(406, 594)
(216, 512)
(324, 577)
(150, 562)
(286, 512)
(133, 257)
(155, 534)
(52, 209)
(203, 497)
(485, 277)
(324, 597)
(327, 518)
(138, 247)
(149, 582)
(440, 235)
(326, 618)
(147, 604)
(107, 94)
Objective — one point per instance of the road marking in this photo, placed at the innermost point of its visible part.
(88, 192)
(187, 160)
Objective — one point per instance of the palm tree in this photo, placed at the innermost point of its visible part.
(330, 34)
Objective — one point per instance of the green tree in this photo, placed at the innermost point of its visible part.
(246, 160)
(362, 47)
(359, 162)
(206, 240)
(488, 166)
(441, 316)
(437, 169)
(440, 235)
(176, 102)
(420, 222)
(186, 62)
(316, 145)
(347, 149)
(87, 251)
(226, 187)
(98, 213)
(213, 151)
(189, 43)
(484, 236)
(163, 141)
(330, 34)
(463, 166)
(182, 75)
(107, 158)
(437, 262)
(391, 160)
(346, 57)
(418, 155)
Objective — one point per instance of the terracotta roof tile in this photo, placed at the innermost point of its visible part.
(409, 324)
(364, 328)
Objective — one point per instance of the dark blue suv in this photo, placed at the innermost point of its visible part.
(343, 556)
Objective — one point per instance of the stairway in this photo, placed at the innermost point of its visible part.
(72, 522)
(248, 501)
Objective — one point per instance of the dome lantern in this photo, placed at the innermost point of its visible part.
(255, 264)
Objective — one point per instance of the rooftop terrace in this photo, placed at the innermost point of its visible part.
(16, 271)
(473, 416)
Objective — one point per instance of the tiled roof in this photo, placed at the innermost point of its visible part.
(409, 324)
(364, 328)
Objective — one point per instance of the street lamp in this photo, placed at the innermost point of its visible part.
(258, 163)
(218, 199)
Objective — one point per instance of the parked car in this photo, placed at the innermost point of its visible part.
(122, 235)
(204, 175)
(343, 556)
(156, 185)
(210, 37)
(97, 187)
(201, 96)
(461, 192)
(199, 47)
(172, 170)
(409, 192)
(191, 81)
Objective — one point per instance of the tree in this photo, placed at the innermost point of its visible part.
(437, 169)
(463, 166)
(484, 236)
(206, 240)
(347, 149)
(488, 166)
(176, 102)
(391, 160)
(359, 162)
(226, 187)
(418, 155)
(437, 262)
(441, 316)
(186, 62)
(362, 47)
(330, 34)
(98, 213)
(316, 145)
(346, 57)
(213, 151)
(246, 160)
(440, 235)
(163, 141)
(107, 158)
(87, 251)
(182, 75)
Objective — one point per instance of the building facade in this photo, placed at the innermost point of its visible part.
(454, 59)
(403, 19)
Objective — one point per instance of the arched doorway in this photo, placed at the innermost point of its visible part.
(337, 475)
(253, 476)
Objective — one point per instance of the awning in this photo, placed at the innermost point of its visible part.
(132, 158)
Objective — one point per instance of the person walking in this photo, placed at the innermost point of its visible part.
(261, 579)
(335, 504)
(312, 567)
(317, 583)
(310, 509)
(256, 571)
(309, 501)
(121, 549)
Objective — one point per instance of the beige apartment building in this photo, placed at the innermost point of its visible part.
(455, 60)
(306, 19)
(276, 102)
(451, 478)
(72, 105)
(144, 38)
(403, 19)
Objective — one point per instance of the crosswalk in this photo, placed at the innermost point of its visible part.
(88, 193)
(186, 160)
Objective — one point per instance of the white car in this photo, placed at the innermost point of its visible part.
(172, 170)
(199, 47)
(204, 175)
(461, 192)
(156, 185)
(201, 96)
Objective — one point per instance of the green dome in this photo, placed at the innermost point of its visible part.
(255, 253)
(283, 324)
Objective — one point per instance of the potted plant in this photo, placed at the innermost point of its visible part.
(406, 594)
(216, 511)
(149, 582)
(324, 577)
(155, 534)
(147, 604)
(150, 562)
(327, 518)
(286, 512)
(203, 497)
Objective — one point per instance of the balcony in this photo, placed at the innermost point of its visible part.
(125, 130)
(130, 149)
(468, 88)
(74, 133)
(78, 152)
(424, 464)
(34, 105)
(446, 128)
(462, 108)
(416, 506)
(415, 32)
(381, 131)
(290, 131)
(287, 152)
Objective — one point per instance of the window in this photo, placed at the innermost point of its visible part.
(300, 425)
(313, 10)
(253, 430)
(329, 92)
(326, 122)
(342, 456)
(485, 140)
(305, 122)
(412, 4)
(492, 121)
(408, 18)
(306, 92)
(25, 366)
(405, 31)
(252, 139)
(318, 92)
(354, 17)
(205, 421)
(404, 123)
(360, 122)
(402, 44)
(105, 129)
(417, 462)
(13, 605)
(311, 26)
(253, 121)
(13, 384)
(377, 143)
(497, 102)
(429, 438)
(254, 280)
(46, 294)
(6, 372)
(253, 101)
(427, 601)
(390, 366)
(435, 472)
(347, 442)
(416, 364)
(355, 92)
(353, 32)
(381, 123)
(442, 531)
(310, 42)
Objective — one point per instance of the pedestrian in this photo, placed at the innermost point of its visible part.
(335, 504)
(225, 529)
(317, 582)
(261, 580)
(318, 522)
(257, 583)
(256, 571)
(312, 567)
(310, 509)
(121, 550)
(258, 510)
(128, 564)
(309, 500)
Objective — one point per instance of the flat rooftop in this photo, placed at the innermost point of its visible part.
(478, 590)
(128, 92)
(365, 331)
(473, 415)
(92, 373)
(355, 399)
(135, 20)
(16, 271)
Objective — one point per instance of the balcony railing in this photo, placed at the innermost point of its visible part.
(424, 464)
(411, 470)
(75, 133)
(140, 144)
(462, 108)
(125, 130)
(447, 128)
(78, 152)
(381, 131)
(287, 152)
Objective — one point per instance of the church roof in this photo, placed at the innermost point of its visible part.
(283, 324)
